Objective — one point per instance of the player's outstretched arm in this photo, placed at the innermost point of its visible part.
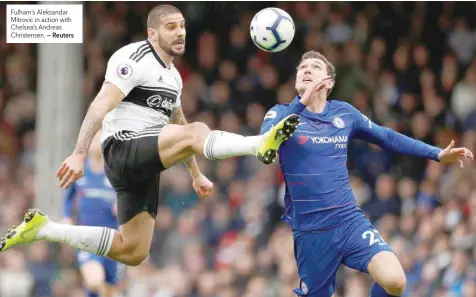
(391, 140)
(73, 167)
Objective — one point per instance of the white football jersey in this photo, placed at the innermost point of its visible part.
(151, 90)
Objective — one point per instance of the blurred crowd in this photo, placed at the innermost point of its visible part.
(409, 66)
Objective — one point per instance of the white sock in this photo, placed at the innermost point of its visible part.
(96, 240)
(221, 145)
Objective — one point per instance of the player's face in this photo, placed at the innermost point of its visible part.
(308, 71)
(171, 37)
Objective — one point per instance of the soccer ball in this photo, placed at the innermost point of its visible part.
(272, 29)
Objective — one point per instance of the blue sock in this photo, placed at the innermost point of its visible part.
(378, 291)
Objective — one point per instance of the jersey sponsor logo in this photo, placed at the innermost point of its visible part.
(338, 122)
(270, 115)
(124, 71)
(157, 101)
(329, 139)
(340, 142)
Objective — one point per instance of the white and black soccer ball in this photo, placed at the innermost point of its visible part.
(272, 29)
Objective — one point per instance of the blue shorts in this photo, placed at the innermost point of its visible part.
(319, 254)
(114, 270)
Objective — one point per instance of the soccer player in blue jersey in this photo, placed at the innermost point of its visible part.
(328, 226)
(91, 201)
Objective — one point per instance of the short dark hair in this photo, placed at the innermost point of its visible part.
(156, 13)
(331, 70)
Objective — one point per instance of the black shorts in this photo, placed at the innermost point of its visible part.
(132, 165)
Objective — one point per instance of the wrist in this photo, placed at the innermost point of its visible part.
(439, 153)
(195, 173)
(80, 153)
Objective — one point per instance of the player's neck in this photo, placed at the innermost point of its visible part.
(96, 164)
(318, 103)
(166, 58)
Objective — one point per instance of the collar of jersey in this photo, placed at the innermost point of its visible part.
(312, 114)
(157, 55)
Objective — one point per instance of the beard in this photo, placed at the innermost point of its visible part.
(168, 47)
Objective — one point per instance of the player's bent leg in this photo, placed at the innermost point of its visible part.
(366, 251)
(387, 271)
(131, 245)
(176, 143)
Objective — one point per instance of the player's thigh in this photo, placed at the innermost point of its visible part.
(137, 203)
(362, 243)
(179, 142)
(386, 270)
(318, 260)
(136, 212)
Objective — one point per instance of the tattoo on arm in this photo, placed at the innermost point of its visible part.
(91, 124)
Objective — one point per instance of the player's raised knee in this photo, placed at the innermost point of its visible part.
(395, 283)
(197, 129)
(196, 134)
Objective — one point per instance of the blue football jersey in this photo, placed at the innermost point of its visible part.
(314, 161)
(92, 199)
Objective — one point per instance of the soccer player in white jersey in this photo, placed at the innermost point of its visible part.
(143, 133)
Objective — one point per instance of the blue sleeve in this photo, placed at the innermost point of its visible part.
(279, 112)
(69, 197)
(364, 129)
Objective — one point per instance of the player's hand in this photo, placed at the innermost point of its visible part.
(71, 170)
(452, 155)
(314, 87)
(203, 186)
